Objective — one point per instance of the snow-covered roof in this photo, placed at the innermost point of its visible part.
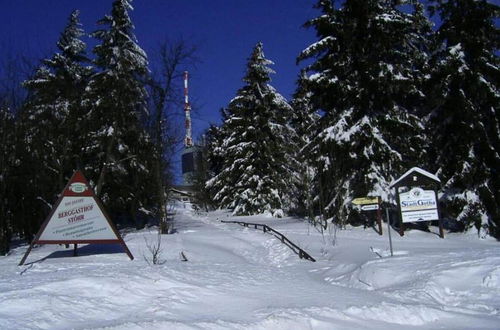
(418, 170)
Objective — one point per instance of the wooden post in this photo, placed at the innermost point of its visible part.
(379, 215)
(441, 230)
(26, 254)
(400, 216)
(401, 228)
(127, 251)
(440, 221)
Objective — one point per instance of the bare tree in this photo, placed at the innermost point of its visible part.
(172, 59)
(155, 250)
(14, 70)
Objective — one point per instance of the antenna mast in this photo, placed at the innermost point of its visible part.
(188, 140)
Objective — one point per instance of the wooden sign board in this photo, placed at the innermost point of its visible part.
(370, 204)
(365, 200)
(416, 195)
(77, 218)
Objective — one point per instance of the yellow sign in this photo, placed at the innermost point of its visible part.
(365, 200)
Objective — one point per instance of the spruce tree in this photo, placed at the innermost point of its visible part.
(56, 90)
(303, 119)
(255, 170)
(366, 79)
(50, 126)
(214, 139)
(465, 117)
(118, 157)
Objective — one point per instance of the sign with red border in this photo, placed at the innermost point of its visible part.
(78, 217)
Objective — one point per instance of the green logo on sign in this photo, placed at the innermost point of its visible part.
(78, 187)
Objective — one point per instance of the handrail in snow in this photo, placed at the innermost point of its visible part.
(302, 254)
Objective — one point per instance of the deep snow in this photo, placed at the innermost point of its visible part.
(241, 278)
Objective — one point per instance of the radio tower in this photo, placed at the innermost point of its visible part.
(192, 154)
(188, 140)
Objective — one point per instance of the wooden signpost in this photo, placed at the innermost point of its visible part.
(416, 195)
(78, 217)
(371, 204)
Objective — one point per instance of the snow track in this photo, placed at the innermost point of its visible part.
(240, 278)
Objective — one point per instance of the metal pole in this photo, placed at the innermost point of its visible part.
(389, 229)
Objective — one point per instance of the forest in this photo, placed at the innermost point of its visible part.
(381, 90)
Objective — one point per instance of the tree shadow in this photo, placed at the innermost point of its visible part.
(85, 250)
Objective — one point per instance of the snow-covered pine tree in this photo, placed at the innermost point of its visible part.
(365, 77)
(255, 172)
(465, 117)
(214, 160)
(214, 138)
(50, 125)
(118, 157)
(304, 118)
(60, 91)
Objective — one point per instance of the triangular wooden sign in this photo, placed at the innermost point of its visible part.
(78, 217)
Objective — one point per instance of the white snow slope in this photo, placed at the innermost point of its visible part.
(241, 278)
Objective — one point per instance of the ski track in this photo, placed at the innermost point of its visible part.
(241, 278)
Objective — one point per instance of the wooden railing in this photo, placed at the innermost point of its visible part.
(266, 229)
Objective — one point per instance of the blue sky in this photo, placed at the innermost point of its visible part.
(224, 31)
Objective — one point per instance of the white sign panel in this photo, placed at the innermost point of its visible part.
(78, 218)
(371, 207)
(418, 205)
(416, 216)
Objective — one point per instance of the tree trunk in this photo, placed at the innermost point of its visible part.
(162, 202)
(104, 169)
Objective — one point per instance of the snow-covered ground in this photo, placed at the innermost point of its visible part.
(241, 278)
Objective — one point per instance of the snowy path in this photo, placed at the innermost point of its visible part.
(240, 278)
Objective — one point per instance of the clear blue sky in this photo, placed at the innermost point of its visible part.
(223, 30)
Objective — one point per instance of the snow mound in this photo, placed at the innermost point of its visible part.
(242, 278)
(397, 314)
(469, 283)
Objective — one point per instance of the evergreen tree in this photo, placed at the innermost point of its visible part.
(118, 159)
(214, 140)
(55, 93)
(201, 195)
(366, 78)
(255, 171)
(304, 117)
(50, 126)
(6, 165)
(465, 117)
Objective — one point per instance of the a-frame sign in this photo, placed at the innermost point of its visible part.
(78, 217)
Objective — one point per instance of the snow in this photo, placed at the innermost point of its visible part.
(241, 278)
(457, 51)
(418, 170)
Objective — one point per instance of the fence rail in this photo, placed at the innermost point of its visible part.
(266, 229)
